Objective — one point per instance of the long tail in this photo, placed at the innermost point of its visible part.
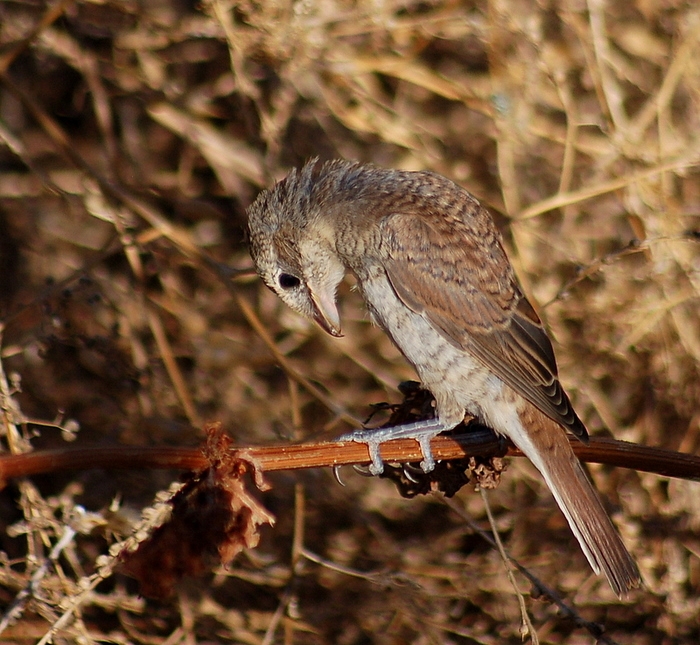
(545, 443)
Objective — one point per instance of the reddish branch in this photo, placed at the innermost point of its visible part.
(327, 454)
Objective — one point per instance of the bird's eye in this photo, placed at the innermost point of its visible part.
(288, 281)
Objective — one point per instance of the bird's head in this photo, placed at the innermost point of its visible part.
(293, 248)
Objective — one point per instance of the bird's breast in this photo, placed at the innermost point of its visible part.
(457, 380)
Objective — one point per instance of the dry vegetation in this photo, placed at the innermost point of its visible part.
(134, 135)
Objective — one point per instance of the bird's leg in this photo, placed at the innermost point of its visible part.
(421, 431)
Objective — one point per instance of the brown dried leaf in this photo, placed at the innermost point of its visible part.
(213, 519)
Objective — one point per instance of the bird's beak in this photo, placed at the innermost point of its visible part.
(326, 312)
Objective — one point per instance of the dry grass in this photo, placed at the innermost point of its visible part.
(580, 120)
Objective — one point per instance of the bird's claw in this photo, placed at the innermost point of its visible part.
(420, 431)
(412, 473)
(336, 474)
(362, 470)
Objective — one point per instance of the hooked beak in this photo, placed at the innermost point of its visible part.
(326, 313)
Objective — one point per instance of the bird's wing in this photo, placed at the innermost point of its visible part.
(454, 271)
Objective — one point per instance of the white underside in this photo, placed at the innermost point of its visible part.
(462, 384)
(459, 382)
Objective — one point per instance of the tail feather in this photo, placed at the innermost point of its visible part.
(547, 446)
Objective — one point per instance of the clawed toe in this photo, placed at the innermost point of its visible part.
(412, 473)
(421, 431)
(365, 471)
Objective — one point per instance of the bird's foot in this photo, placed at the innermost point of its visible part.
(421, 431)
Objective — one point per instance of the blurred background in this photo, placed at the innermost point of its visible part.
(133, 135)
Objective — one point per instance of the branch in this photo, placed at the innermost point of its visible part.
(476, 441)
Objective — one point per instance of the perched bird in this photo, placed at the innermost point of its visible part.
(432, 270)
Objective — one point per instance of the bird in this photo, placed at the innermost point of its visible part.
(431, 267)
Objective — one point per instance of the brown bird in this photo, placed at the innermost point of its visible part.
(431, 267)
